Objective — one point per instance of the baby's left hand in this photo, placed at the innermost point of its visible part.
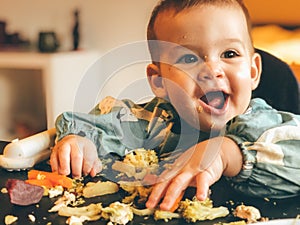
(198, 166)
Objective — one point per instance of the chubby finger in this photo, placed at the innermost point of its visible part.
(175, 189)
(86, 167)
(156, 195)
(63, 155)
(91, 167)
(54, 160)
(90, 158)
(202, 183)
(97, 167)
(76, 162)
(159, 189)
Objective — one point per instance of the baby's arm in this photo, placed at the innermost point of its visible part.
(76, 155)
(202, 165)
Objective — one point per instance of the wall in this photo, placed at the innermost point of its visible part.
(103, 24)
(274, 11)
(108, 24)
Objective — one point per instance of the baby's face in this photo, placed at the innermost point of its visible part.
(208, 71)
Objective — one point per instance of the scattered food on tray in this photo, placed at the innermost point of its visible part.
(118, 213)
(31, 218)
(249, 213)
(91, 212)
(136, 190)
(165, 215)
(240, 222)
(72, 195)
(4, 190)
(9, 219)
(22, 193)
(99, 188)
(54, 191)
(137, 164)
(48, 179)
(194, 210)
(142, 212)
(66, 200)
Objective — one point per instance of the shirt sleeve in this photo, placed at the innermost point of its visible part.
(269, 141)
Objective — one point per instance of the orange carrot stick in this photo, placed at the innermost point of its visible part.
(176, 203)
(55, 178)
(45, 183)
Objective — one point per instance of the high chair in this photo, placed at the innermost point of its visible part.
(278, 85)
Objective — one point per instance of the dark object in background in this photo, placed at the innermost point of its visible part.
(48, 42)
(8, 40)
(2, 145)
(21, 193)
(278, 85)
(76, 36)
(2, 32)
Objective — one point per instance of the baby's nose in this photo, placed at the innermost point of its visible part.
(210, 70)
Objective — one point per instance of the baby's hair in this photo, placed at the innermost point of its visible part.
(180, 5)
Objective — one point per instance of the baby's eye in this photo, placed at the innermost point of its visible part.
(230, 54)
(188, 58)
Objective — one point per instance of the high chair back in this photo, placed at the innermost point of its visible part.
(278, 85)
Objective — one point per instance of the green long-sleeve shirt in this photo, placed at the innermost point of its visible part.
(270, 143)
(269, 139)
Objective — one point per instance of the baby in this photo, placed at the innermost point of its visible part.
(203, 72)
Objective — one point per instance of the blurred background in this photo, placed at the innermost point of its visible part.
(39, 82)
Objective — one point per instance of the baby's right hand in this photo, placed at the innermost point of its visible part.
(77, 154)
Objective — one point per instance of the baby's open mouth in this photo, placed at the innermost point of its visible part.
(215, 99)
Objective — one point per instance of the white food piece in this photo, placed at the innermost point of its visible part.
(31, 217)
(25, 153)
(75, 220)
(250, 213)
(4, 191)
(31, 145)
(9, 219)
(90, 212)
(65, 200)
(55, 191)
(165, 215)
(137, 163)
(99, 188)
(118, 213)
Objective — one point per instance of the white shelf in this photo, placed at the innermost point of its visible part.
(61, 72)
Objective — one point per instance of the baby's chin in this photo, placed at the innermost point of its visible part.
(212, 125)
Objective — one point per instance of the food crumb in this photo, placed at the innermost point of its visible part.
(266, 199)
(240, 222)
(250, 213)
(9, 219)
(4, 191)
(31, 217)
(231, 202)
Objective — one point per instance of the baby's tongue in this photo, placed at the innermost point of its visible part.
(215, 99)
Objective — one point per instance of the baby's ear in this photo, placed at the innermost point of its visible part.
(156, 81)
(256, 66)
